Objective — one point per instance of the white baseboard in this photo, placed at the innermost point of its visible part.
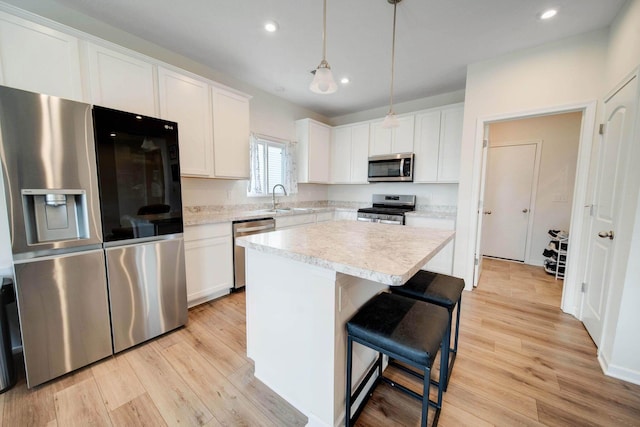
(618, 372)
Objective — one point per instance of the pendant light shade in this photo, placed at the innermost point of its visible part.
(323, 81)
(391, 120)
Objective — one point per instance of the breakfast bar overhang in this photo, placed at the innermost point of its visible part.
(303, 285)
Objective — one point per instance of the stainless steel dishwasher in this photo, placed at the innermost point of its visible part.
(246, 228)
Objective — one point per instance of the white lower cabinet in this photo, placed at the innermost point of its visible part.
(443, 261)
(294, 221)
(345, 215)
(209, 261)
(324, 216)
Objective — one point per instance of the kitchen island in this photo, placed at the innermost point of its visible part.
(303, 285)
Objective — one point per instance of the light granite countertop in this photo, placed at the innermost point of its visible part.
(208, 217)
(382, 253)
(199, 217)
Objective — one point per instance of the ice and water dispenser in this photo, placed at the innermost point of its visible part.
(55, 215)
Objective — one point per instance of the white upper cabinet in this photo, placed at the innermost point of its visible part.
(349, 154)
(426, 146)
(438, 139)
(314, 151)
(341, 155)
(450, 144)
(39, 59)
(392, 141)
(186, 101)
(230, 134)
(120, 81)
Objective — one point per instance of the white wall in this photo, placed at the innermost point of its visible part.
(560, 135)
(568, 71)
(438, 197)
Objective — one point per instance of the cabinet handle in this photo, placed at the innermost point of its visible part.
(487, 212)
(525, 210)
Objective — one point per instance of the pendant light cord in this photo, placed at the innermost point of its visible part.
(393, 56)
(324, 32)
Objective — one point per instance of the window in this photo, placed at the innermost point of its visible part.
(271, 164)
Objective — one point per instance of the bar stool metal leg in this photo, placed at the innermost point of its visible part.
(347, 415)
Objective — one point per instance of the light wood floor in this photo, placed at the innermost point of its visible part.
(521, 362)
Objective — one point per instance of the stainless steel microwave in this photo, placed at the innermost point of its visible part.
(391, 167)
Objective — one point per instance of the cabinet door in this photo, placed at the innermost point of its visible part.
(402, 141)
(450, 144)
(359, 153)
(121, 82)
(442, 262)
(39, 59)
(380, 139)
(341, 155)
(230, 134)
(209, 261)
(186, 101)
(319, 152)
(426, 146)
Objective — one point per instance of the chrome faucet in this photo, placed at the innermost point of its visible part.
(273, 193)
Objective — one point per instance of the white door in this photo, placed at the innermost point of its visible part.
(607, 204)
(480, 215)
(510, 174)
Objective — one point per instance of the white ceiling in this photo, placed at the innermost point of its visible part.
(435, 40)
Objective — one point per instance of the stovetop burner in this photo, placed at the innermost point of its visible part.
(388, 208)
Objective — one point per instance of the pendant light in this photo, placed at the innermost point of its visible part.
(323, 81)
(391, 120)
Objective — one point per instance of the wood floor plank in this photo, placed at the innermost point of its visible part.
(23, 407)
(177, 403)
(270, 403)
(225, 359)
(139, 411)
(81, 405)
(117, 382)
(225, 401)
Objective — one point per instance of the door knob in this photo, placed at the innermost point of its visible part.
(525, 210)
(487, 212)
(605, 234)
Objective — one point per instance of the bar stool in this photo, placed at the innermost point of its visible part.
(404, 329)
(439, 289)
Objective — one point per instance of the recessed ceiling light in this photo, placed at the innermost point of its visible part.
(344, 80)
(548, 14)
(271, 26)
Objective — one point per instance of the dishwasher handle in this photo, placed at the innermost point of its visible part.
(253, 229)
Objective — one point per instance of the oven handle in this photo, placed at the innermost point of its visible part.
(367, 219)
(386, 221)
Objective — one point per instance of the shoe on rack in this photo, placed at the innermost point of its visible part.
(553, 246)
(548, 253)
(558, 234)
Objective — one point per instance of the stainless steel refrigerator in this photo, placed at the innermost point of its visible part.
(83, 294)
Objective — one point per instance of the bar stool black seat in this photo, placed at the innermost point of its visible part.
(440, 289)
(404, 329)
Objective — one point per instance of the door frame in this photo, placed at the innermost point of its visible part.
(571, 292)
(534, 188)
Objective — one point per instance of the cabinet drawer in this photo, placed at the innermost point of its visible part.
(324, 216)
(206, 231)
(295, 220)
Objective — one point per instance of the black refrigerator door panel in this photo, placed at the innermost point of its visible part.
(139, 175)
(147, 290)
(64, 313)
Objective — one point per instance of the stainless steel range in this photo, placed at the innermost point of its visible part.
(388, 208)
